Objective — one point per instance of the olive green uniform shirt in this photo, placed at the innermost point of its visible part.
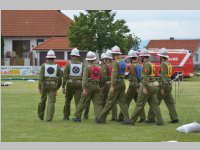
(66, 74)
(86, 81)
(42, 77)
(115, 75)
(163, 78)
(146, 73)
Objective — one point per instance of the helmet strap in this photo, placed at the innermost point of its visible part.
(145, 58)
(73, 57)
(50, 59)
(133, 59)
(116, 56)
(163, 59)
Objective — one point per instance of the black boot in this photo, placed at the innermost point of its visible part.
(174, 121)
(113, 119)
(76, 119)
(97, 120)
(160, 124)
(141, 121)
(126, 122)
(41, 117)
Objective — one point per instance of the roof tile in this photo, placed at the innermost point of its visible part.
(55, 43)
(34, 23)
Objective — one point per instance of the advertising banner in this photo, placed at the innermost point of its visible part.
(20, 70)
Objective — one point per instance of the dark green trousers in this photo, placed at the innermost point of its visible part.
(92, 95)
(117, 97)
(73, 90)
(132, 94)
(104, 96)
(169, 101)
(50, 94)
(152, 100)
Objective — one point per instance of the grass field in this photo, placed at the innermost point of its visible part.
(20, 122)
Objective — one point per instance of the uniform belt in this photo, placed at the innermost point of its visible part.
(97, 82)
(155, 83)
(74, 81)
(91, 80)
(93, 84)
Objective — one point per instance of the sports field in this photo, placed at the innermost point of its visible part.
(19, 120)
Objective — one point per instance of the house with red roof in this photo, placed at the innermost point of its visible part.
(61, 47)
(192, 45)
(24, 30)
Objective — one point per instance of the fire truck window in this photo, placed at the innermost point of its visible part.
(196, 57)
(154, 58)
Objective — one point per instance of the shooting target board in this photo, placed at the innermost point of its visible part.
(50, 70)
(76, 69)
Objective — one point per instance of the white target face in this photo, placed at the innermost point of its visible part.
(76, 69)
(50, 70)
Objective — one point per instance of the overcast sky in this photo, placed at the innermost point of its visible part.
(158, 24)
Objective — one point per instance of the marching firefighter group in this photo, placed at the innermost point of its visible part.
(102, 82)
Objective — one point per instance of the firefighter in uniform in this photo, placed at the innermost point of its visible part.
(92, 82)
(50, 81)
(147, 91)
(72, 79)
(135, 74)
(165, 88)
(104, 69)
(107, 65)
(117, 89)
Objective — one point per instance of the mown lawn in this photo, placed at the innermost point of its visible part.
(20, 123)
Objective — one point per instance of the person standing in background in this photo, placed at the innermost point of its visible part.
(50, 80)
(135, 75)
(117, 89)
(165, 88)
(92, 82)
(147, 91)
(72, 79)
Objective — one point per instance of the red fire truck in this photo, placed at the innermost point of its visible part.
(180, 59)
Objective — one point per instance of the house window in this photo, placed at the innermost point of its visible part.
(21, 47)
(39, 41)
(21, 50)
(196, 57)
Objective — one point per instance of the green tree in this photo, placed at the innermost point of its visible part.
(97, 30)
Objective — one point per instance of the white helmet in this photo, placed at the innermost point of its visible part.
(91, 56)
(108, 54)
(51, 54)
(163, 53)
(116, 50)
(132, 53)
(75, 52)
(103, 55)
(144, 52)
